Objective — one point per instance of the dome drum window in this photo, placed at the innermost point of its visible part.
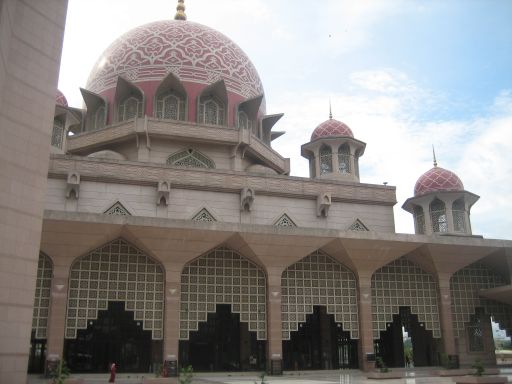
(211, 111)
(419, 220)
(130, 108)
(129, 101)
(325, 160)
(459, 215)
(344, 159)
(57, 133)
(438, 216)
(170, 106)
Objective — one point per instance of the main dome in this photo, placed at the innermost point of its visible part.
(437, 179)
(331, 127)
(191, 51)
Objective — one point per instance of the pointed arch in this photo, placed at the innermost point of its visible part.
(116, 271)
(129, 100)
(223, 276)
(344, 159)
(212, 104)
(325, 159)
(438, 216)
(171, 99)
(459, 215)
(190, 158)
(96, 114)
(318, 279)
(397, 285)
(42, 297)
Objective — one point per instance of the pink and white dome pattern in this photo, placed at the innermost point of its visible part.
(60, 99)
(437, 180)
(193, 52)
(331, 127)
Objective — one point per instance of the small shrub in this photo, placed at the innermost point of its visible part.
(186, 375)
(262, 377)
(61, 373)
(479, 367)
(381, 365)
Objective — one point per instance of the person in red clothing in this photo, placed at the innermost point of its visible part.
(112, 373)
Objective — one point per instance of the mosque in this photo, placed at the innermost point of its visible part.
(173, 234)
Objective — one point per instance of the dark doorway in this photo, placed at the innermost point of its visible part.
(406, 328)
(114, 337)
(36, 357)
(320, 343)
(223, 343)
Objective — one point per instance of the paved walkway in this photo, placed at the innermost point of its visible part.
(416, 376)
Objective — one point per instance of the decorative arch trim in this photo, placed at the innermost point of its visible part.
(117, 209)
(284, 221)
(190, 158)
(204, 215)
(358, 225)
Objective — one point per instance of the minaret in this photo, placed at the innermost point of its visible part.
(180, 11)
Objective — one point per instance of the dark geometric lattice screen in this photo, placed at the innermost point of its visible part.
(42, 297)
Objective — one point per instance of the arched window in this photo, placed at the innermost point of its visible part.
(190, 158)
(344, 159)
(459, 215)
(170, 106)
(211, 111)
(243, 121)
(130, 108)
(325, 160)
(438, 216)
(419, 220)
(99, 118)
(57, 133)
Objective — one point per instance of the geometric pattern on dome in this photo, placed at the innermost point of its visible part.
(437, 179)
(331, 127)
(191, 51)
(60, 99)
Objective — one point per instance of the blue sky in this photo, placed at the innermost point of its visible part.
(403, 74)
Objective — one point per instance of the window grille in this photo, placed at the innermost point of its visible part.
(438, 216)
(318, 279)
(465, 285)
(223, 277)
(211, 111)
(419, 220)
(57, 133)
(116, 271)
(130, 108)
(285, 221)
(402, 283)
(475, 335)
(190, 158)
(99, 118)
(243, 121)
(325, 160)
(42, 296)
(459, 215)
(170, 106)
(344, 159)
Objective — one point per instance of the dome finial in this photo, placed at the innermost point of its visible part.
(434, 154)
(330, 109)
(180, 11)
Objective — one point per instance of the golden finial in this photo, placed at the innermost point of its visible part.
(434, 153)
(180, 11)
(330, 110)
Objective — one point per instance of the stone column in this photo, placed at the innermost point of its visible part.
(365, 322)
(445, 313)
(172, 325)
(274, 329)
(428, 219)
(316, 160)
(57, 318)
(449, 216)
(30, 48)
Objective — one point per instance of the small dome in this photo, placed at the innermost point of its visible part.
(60, 99)
(196, 54)
(437, 179)
(331, 127)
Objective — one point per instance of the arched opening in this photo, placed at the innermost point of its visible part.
(319, 314)
(320, 343)
(130, 108)
(37, 353)
(129, 100)
(171, 99)
(459, 215)
(58, 131)
(212, 105)
(438, 216)
(96, 114)
(325, 160)
(405, 315)
(99, 118)
(223, 313)
(223, 343)
(244, 122)
(114, 310)
(419, 220)
(344, 159)
(406, 342)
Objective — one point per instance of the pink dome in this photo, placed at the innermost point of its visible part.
(196, 54)
(331, 127)
(437, 179)
(60, 99)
